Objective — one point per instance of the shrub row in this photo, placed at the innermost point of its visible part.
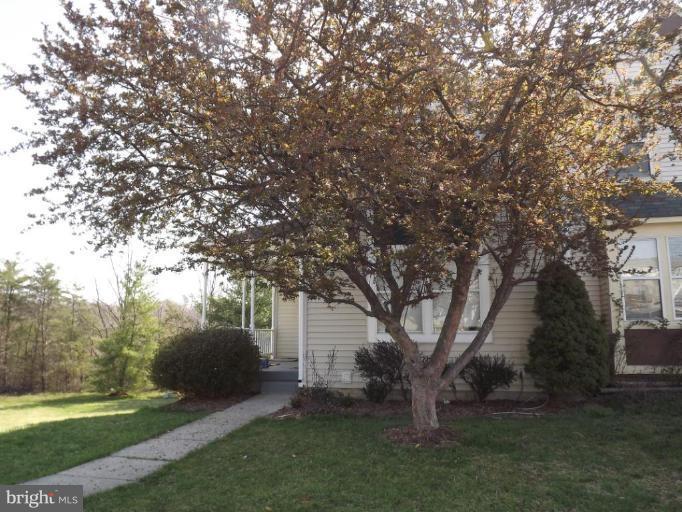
(568, 351)
(382, 365)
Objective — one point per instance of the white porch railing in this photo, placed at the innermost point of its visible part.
(264, 339)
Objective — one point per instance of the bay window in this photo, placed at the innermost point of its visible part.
(641, 282)
(675, 252)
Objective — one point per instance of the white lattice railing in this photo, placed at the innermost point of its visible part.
(264, 339)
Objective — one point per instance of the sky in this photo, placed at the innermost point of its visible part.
(20, 22)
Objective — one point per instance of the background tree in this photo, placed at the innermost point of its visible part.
(174, 318)
(74, 352)
(12, 290)
(386, 146)
(45, 293)
(225, 304)
(50, 337)
(132, 336)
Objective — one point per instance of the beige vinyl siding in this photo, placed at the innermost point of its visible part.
(340, 326)
(594, 290)
(606, 300)
(345, 328)
(661, 154)
(662, 158)
(287, 328)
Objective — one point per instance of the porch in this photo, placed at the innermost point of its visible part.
(279, 341)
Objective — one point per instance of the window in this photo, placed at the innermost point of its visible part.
(412, 320)
(471, 319)
(425, 320)
(675, 251)
(641, 169)
(641, 282)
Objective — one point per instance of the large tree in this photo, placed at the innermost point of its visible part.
(385, 146)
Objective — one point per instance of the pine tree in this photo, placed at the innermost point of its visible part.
(124, 355)
(569, 349)
(46, 296)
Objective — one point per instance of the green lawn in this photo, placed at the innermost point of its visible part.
(618, 456)
(45, 433)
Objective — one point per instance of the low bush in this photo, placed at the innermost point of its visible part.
(383, 366)
(319, 398)
(376, 390)
(486, 373)
(212, 363)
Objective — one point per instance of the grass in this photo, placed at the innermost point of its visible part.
(614, 456)
(45, 433)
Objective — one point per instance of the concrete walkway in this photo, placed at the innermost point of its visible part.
(137, 461)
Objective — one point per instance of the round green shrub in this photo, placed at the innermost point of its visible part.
(568, 351)
(211, 363)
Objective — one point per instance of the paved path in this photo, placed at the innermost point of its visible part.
(137, 461)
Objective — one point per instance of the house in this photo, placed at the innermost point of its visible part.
(634, 306)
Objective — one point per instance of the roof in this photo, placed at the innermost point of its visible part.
(656, 206)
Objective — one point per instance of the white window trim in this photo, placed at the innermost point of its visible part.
(671, 278)
(645, 278)
(428, 335)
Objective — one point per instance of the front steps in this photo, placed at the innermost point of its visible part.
(282, 376)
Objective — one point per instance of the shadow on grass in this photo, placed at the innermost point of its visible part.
(49, 447)
(70, 400)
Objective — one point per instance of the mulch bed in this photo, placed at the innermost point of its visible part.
(206, 404)
(449, 411)
(439, 437)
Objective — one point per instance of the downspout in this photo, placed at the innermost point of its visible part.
(243, 303)
(252, 323)
(204, 297)
(302, 336)
(302, 332)
(274, 321)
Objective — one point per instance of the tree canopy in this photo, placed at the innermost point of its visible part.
(384, 146)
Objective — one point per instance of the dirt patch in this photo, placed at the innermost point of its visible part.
(118, 394)
(439, 437)
(206, 404)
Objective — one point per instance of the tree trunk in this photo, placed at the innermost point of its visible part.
(424, 395)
